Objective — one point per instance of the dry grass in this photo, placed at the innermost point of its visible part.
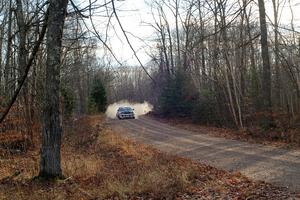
(100, 164)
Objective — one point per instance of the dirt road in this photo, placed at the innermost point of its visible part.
(270, 164)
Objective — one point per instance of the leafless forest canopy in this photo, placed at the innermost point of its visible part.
(223, 63)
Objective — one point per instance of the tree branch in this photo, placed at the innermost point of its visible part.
(27, 69)
(127, 39)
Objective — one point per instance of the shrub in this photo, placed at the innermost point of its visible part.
(177, 97)
(98, 99)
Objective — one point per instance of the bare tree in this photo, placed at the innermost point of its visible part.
(7, 69)
(277, 88)
(50, 163)
(267, 102)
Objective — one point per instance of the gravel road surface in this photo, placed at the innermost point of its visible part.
(275, 165)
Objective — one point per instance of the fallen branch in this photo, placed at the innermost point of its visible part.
(11, 177)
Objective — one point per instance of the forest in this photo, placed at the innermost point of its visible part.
(232, 64)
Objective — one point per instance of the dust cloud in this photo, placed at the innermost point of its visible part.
(139, 108)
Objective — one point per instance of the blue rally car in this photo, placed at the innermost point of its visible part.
(125, 113)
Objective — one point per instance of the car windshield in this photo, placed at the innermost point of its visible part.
(125, 109)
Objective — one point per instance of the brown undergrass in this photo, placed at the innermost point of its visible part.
(99, 164)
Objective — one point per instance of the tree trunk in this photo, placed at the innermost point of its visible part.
(7, 70)
(277, 88)
(266, 82)
(1, 41)
(177, 33)
(164, 47)
(203, 66)
(253, 69)
(171, 49)
(50, 163)
(22, 59)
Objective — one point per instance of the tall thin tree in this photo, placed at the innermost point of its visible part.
(266, 84)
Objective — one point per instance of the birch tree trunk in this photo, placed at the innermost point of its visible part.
(50, 163)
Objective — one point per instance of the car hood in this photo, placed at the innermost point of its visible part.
(126, 112)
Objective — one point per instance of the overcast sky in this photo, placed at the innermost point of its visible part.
(134, 14)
